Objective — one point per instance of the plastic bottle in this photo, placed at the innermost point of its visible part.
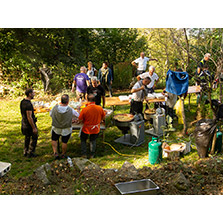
(69, 160)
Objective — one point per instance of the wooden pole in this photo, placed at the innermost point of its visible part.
(199, 116)
(183, 114)
(214, 142)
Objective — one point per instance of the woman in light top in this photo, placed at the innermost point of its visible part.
(91, 71)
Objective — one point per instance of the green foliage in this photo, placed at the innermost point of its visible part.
(24, 51)
(123, 75)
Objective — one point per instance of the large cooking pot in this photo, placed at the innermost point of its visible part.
(122, 121)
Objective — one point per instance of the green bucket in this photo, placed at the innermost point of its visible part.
(155, 151)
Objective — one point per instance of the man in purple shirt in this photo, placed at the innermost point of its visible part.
(81, 81)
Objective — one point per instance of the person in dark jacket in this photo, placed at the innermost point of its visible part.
(97, 90)
(105, 77)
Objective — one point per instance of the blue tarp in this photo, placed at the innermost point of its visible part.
(177, 82)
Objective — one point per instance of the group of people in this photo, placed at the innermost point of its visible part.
(147, 81)
(62, 118)
(91, 87)
(87, 82)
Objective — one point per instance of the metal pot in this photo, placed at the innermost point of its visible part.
(123, 125)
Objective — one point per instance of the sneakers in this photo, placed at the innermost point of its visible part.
(84, 156)
(63, 156)
(92, 156)
(56, 156)
(30, 155)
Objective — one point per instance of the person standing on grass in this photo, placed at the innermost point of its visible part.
(91, 70)
(62, 116)
(97, 90)
(154, 80)
(142, 63)
(91, 117)
(105, 77)
(81, 81)
(153, 76)
(29, 128)
(138, 95)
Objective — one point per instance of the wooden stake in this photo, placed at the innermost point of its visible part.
(214, 142)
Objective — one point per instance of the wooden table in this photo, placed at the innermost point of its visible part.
(115, 101)
(192, 90)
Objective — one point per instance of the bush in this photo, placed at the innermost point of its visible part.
(122, 75)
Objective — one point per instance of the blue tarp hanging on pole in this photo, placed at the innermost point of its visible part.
(177, 82)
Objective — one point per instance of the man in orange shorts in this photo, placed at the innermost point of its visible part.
(91, 117)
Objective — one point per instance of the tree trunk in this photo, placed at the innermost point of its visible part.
(187, 47)
(199, 116)
(213, 142)
(220, 87)
(1, 73)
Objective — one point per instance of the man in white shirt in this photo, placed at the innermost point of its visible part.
(142, 63)
(154, 80)
(153, 76)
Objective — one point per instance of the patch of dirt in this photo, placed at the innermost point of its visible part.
(203, 176)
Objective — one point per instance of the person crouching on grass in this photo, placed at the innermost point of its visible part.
(62, 124)
(91, 117)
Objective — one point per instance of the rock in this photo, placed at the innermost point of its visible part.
(145, 171)
(128, 166)
(180, 182)
(42, 172)
(128, 171)
(83, 164)
(110, 172)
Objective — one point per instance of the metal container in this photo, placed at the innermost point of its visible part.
(123, 125)
(4, 168)
(138, 187)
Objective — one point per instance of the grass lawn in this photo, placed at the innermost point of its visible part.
(11, 142)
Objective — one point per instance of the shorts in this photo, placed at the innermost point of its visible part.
(80, 95)
(55, 137)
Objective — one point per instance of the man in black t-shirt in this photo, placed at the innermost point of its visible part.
(97, 90)
(29, 128)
